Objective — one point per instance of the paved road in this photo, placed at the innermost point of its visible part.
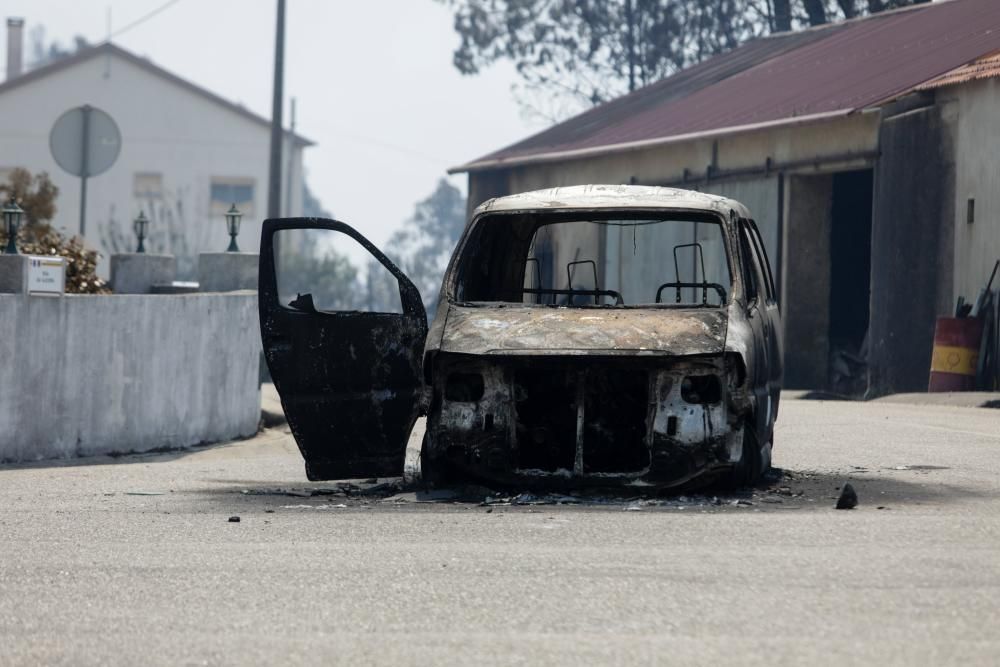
(90, 573)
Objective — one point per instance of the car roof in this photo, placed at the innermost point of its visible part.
(613, 197)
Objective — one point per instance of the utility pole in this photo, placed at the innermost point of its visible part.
(274, 173)
(289, 163)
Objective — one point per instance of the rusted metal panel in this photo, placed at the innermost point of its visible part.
(832, 70)
(574, 331)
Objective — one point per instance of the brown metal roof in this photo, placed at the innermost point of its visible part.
(987, 67)
(798, 77)
(109, 48)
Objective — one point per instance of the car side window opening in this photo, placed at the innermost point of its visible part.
(562, 260)
(325, 271)
(762, 260)
(751, 276)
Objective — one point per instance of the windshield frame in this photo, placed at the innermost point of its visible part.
(472, 236)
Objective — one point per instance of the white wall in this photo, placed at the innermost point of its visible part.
(977, 246)
(165, 128)
(856, 134)
(83, 375)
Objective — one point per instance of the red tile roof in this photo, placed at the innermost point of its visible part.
(828, 71)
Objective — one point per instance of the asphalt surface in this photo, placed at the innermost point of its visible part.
(134, 560)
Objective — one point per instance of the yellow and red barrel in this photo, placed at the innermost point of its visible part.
(956, 354)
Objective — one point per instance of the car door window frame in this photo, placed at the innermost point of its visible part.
(409, 297)
(763, 261)
(751, 277)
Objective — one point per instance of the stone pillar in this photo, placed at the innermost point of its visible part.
(227, 271)
(136, 273)
(13, 274)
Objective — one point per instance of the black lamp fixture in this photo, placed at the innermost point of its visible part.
(140, 225)
(12, 221)
(233, 216)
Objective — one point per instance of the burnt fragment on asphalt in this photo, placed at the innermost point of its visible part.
(848, 498)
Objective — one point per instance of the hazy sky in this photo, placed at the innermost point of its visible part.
(373, 79)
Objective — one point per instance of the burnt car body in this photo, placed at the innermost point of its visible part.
(529, 377)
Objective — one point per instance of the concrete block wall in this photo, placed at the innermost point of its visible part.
(227, 271)
(83, 375)
(136, 273)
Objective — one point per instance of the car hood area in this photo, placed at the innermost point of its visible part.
(534, 330)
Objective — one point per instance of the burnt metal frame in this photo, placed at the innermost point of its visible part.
(569, 276)
(597, 215)
(278, 324)
(579, 292)
(678, 285)
(409, 296)
(704, 285)
(596, 293)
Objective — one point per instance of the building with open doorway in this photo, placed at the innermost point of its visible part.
(868, 152)
(186, 154)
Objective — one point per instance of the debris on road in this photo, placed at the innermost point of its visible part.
(848, 498)
(346, 489)
(314, 507)
(780, 490)
(234, 519)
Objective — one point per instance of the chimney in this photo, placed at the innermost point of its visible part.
(15, 48)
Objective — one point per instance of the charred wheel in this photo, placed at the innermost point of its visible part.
(747, 470)
(433, 470)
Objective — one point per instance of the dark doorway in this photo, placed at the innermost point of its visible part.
(850, 279)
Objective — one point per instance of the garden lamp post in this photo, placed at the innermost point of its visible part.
(12, 221)
(233, 216)
(140, 224)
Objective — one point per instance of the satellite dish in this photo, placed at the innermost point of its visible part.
(85, 141)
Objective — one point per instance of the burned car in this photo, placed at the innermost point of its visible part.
(584, 336)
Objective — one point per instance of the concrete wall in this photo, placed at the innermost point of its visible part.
(166, 129)
(82, 375)
(912, 235)
(806, 292)
(977, 176)
(760, 196)
(666, 163)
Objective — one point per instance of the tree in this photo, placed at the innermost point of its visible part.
(421, 249)
(36, 195)
(316, 262)
(571, 54)
(330, 277)
(312, 207)
(43, 53)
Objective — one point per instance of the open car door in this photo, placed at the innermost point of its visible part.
(344, 353)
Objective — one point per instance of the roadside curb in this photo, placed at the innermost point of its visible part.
(954, 399)
(271, 413)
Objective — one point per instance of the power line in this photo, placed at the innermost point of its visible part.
(144, 18)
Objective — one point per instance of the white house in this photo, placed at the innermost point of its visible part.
(186, 154)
